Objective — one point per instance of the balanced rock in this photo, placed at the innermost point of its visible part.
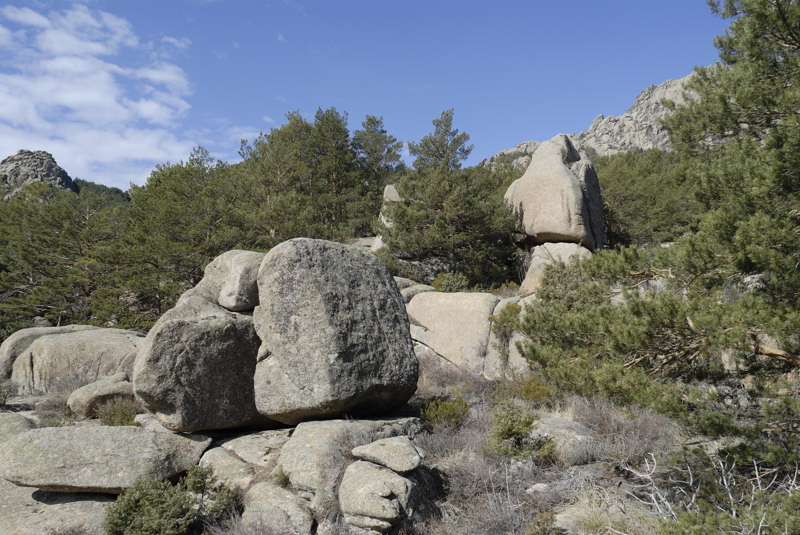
(230, 280)
(334, 333)
(13, 346)
(558, 198)
(96, 458)
(549, 254)
(80, 355)
(195, 368)
(454, 325)
(85, 401)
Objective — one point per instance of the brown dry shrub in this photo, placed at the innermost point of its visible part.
(119, 411)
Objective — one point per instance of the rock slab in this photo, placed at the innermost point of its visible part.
(96, 459)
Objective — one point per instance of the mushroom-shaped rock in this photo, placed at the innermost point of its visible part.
(85, 355)
(395, 453)
(558, 198)
(96, 458)
(334, 334)
(195, 369)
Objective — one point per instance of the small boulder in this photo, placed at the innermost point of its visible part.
(546, 255)
(396, 453)
(96, 458)
(373, 497)
(83, 355)
(334, 333)
(229, 469)
(267, 506)
(230, 280)
(85, 401)
(12, 424)
(195, 368)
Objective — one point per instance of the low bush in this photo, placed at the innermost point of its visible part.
(119, 411)
(445, 413)
(157, 507)
(451, 282)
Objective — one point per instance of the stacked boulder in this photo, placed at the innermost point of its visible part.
(308, 331)
(558, 208)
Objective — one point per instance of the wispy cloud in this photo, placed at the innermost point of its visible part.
(64, 88)
(280, 37)
(268, 119)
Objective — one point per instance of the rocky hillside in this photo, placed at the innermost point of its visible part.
(26, 167)
(637, 128)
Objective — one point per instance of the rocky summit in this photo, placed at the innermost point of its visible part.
(26, 167)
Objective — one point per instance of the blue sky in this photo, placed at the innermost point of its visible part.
(113, 87)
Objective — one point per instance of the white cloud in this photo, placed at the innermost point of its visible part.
(281, 38)
(268, 119)
(64, 88)
(183, 43)
(24, 16)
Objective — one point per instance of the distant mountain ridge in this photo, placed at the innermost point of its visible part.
(636, 129)
(26, 167)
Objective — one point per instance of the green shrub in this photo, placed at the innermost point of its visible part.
(157, 507)
(510, 435)
(533, 389)
(119, 411)
(445, 413)
(451, 282)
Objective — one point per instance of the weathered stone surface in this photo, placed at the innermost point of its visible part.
(272, 507)
(403, 283)
(12, 424)
(17, 343)
(558, 198)
(229, 469)
(503, 359)
(25, 511)
(435, 371)
(317, 452)
(373, 497)
(259, 449)
(549, 254)
(230, 280)
(396, 453)
(82, 355)
(409, 292)
(567, 435)
(390, 195)
(334, 334)
(85, 401)
(454, 325)
(195, 368)
(95, 458)
(518, 156)
(27, 167)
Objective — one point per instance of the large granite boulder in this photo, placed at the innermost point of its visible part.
(558, 198)
(85, 401)
(13, 346)
(373, 497)
(81, 355)
(96, 458)
(276, 510)
(195, 368)
(549, 254)
(454, 325)
(334, 334)
(230, 281)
